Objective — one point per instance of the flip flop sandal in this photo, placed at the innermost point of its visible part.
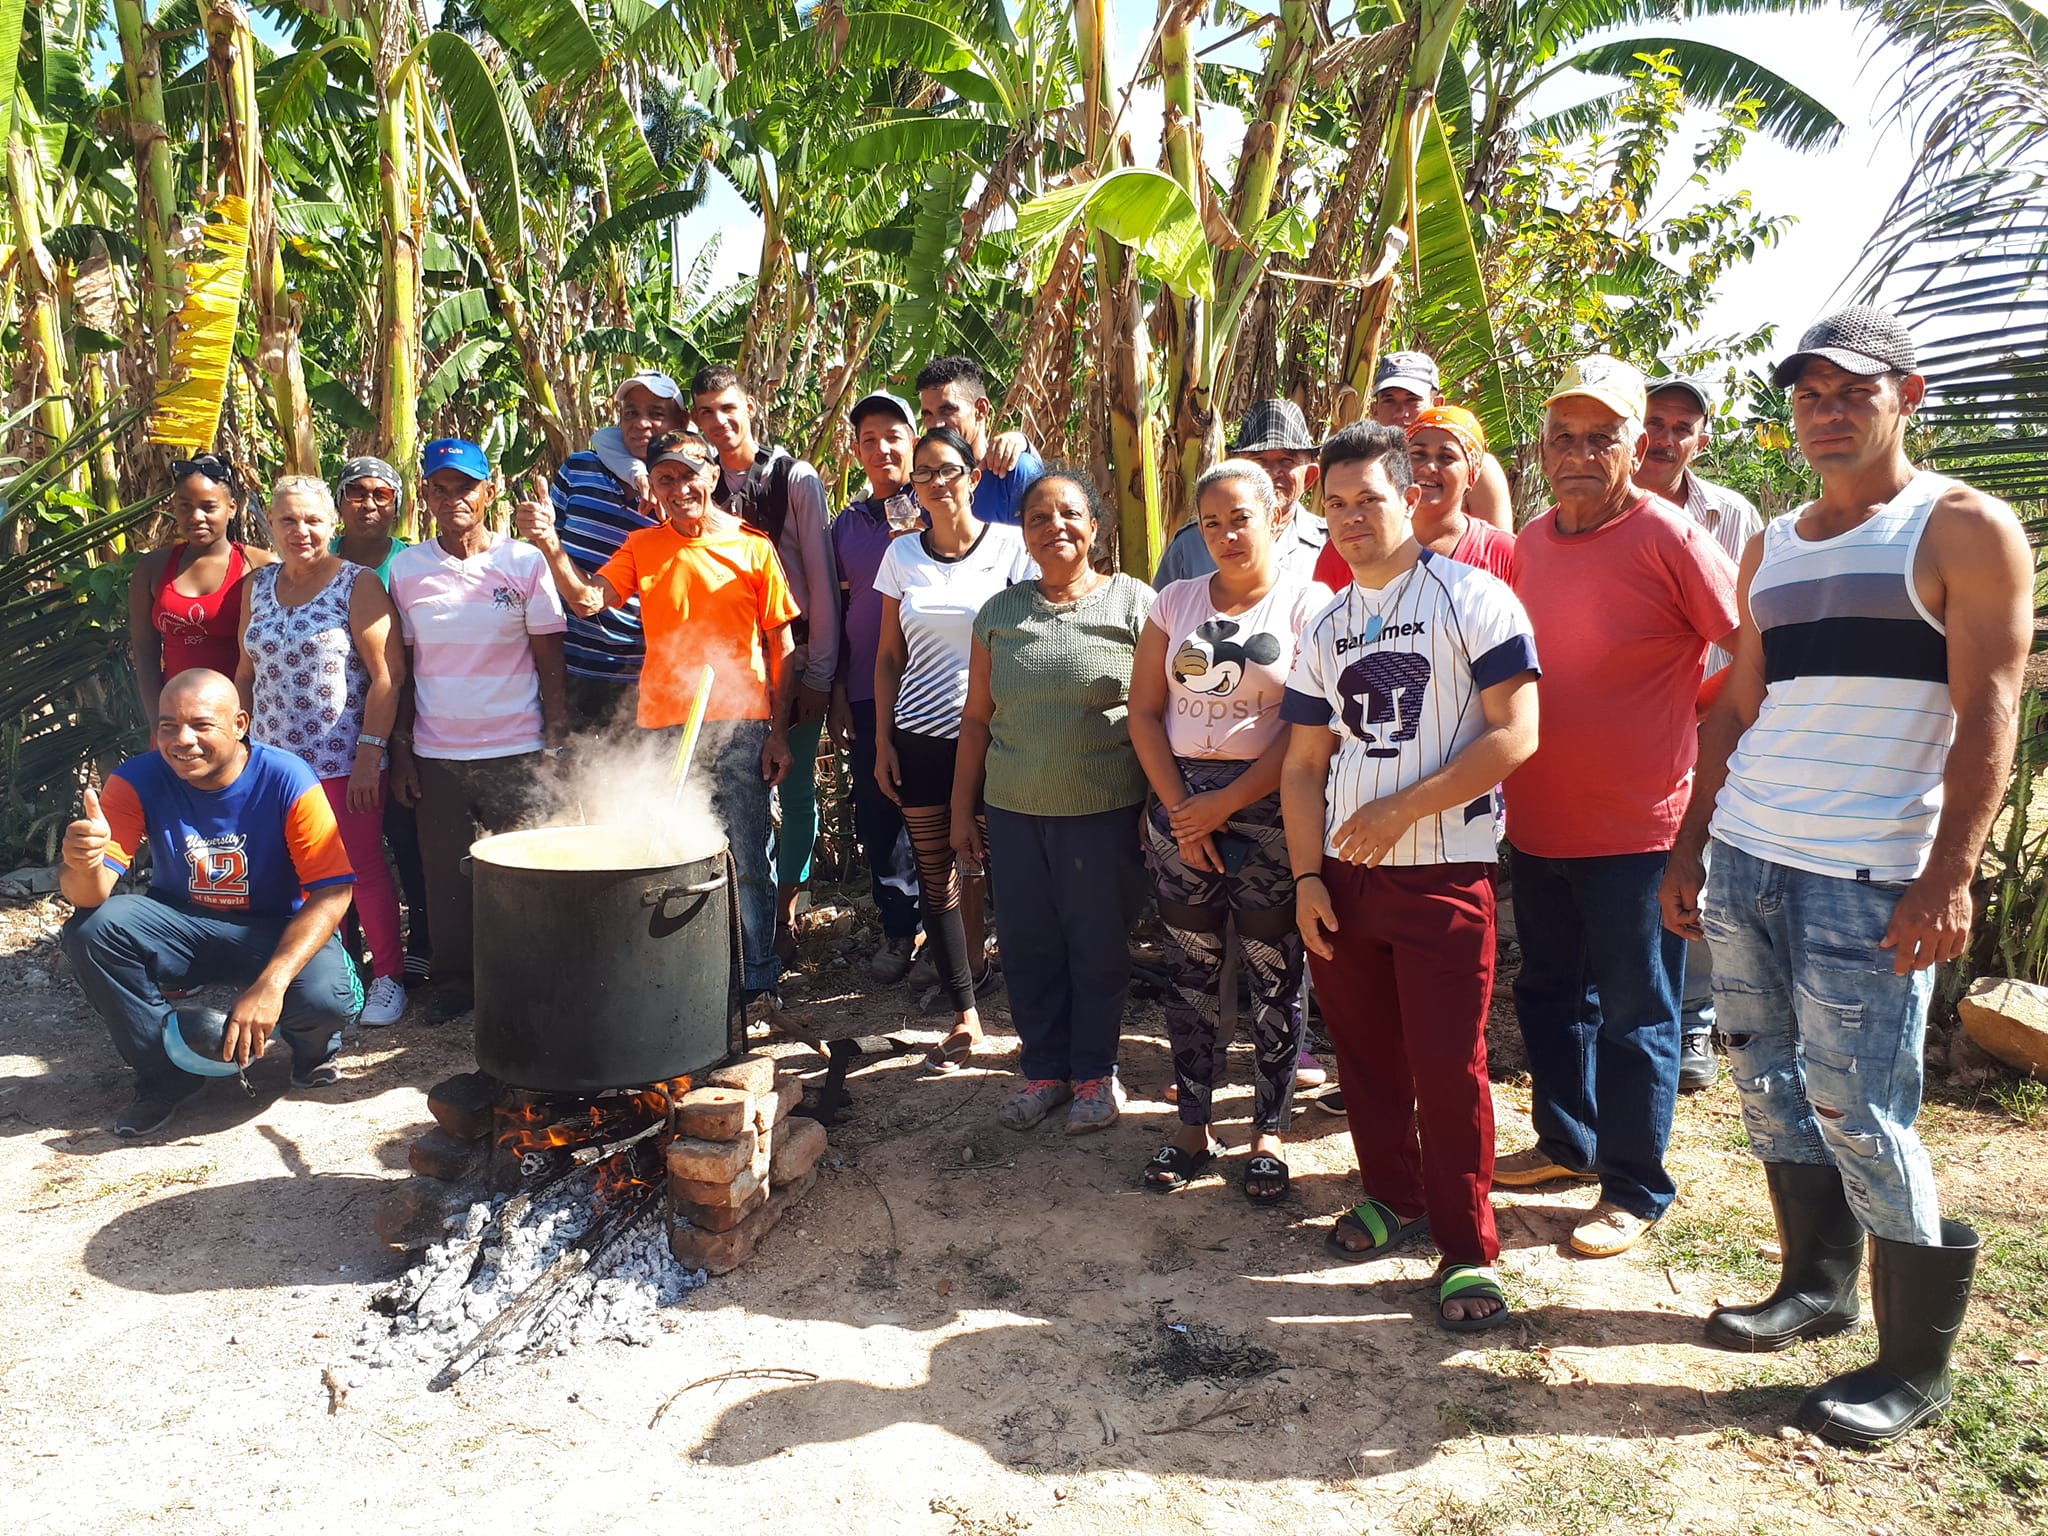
(951, 1051)
(1179, 1167)
(1266, 1166)
(1469, 1282)
(1377, 1222)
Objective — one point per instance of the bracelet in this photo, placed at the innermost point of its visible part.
(365, 739)
(1314, 874)
(401, 738)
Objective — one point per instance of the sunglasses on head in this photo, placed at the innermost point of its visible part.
(211, 465)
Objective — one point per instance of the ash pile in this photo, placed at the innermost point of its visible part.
(551, 1221)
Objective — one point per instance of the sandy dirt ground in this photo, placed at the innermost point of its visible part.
(962, 1330)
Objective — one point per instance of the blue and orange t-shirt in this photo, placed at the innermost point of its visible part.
(260, 845)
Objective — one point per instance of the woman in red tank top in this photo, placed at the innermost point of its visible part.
(185, 602)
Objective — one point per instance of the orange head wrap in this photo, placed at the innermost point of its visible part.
(1457, 421)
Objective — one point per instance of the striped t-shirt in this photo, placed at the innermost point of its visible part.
(594, 511)
(1396, 673)
(468, 624)
(937, 600)
(1841, 773)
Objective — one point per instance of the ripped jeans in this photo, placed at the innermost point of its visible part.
(1824, 1038)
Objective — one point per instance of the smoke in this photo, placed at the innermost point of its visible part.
(623, 780)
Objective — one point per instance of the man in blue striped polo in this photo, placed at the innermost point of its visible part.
(1848, 776)
(596, 507)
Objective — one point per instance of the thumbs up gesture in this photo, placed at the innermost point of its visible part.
(85, 840)
(534, 517)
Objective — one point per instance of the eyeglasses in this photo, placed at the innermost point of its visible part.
(937, 474)
(211, 465)
(361, 491)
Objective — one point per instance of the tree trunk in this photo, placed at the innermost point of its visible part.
(1193, 439)
(142, 73)
(398, 285)
(42, 331)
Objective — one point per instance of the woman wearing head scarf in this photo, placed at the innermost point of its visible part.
(1045, 743)
(1446, 447)
(1205, 719)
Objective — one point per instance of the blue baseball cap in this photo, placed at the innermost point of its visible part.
(455, 453)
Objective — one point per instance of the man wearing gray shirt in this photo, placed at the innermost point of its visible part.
(1676, 431)
(1274, 436)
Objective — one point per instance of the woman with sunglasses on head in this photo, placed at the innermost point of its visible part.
(185, 602)
(320, 671)
(1044, 741)
(932, 585)
(1205, 720)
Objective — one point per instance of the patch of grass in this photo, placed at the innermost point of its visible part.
(1518, 1364)
(1723, 1242)
(1473, 1418)
(152, 1181)
(995, 1283)
(2012, 1270)
(968, 1523)
(1526, 1286)
(2025, 1099)
(1570, 1492)
(1453, 1516)
(1994, 1440)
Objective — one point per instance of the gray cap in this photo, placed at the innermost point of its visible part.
(367, 467)
(883, 400)
(1861, 338)
(1685, 386)
(1413, 371)
(1269, 425)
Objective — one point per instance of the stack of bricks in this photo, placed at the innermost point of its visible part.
(738, 1162)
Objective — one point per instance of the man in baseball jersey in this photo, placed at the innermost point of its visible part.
(1412, 695)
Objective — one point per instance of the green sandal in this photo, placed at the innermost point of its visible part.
(1469, 1282)
(1378, 1222)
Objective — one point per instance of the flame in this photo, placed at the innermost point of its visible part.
(542, 1125)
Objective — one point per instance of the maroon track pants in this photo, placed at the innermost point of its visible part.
(1404, 1001)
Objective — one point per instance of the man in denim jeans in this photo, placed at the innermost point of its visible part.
(1626, 592)
(1848, 776)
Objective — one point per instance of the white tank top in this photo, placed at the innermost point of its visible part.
(1841, 773)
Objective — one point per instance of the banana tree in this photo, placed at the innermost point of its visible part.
(142, 71)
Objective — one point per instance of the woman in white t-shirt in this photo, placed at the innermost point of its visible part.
(932, 584)
(1206, 688)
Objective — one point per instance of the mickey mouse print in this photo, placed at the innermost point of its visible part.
(1226, 673)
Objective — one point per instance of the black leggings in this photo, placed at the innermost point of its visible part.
(939, 890)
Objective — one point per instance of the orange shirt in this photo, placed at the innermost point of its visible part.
(705, 600)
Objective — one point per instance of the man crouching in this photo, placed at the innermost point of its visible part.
(248, 883)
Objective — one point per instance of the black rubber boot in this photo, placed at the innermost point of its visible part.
(1822, 1244)
(1919, 1296)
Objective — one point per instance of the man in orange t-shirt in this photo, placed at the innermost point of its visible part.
(712, 593)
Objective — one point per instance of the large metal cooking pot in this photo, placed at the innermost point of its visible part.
(597, 966)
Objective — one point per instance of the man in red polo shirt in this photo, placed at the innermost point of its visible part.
(1626, 593)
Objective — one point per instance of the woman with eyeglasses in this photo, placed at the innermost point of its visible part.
(932, 585)
(185, 602)
(711, 593)
(1045, 743)
(320, 671)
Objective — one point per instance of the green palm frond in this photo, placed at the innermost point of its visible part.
(1719, 78)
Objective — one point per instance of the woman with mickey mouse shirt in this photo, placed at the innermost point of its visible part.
(1206, 687)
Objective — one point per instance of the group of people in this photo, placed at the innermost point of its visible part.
(1777, 748)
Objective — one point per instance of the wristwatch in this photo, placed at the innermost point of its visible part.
(365, 739)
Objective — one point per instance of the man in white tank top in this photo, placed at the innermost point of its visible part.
(1848, 776)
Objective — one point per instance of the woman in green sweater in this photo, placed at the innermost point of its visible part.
(1044, 742)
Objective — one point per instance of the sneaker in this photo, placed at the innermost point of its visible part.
(764, 1011)
(419, 970)
(1308, 1072)
(1331, 1103)
(1519, 1170)
(1608, 1230)
(1097, 1103)
(150, 1113)
(385, 1005)
(1038, 1098)
(892, 961)
(449, 1003)
(323, 1074)
(1698, 1066)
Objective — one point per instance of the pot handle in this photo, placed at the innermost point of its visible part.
(663, 897)
(465, 867)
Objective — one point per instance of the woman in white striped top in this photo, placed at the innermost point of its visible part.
(932, 584)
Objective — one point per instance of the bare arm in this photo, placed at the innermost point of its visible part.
(245, 666)
(1304, 780)
(892, 654)
(776, 649)
(550, 661)
(255, 1012)
(535, 521)
(1148, 703)
(1489, 498)
(83, 877)
(145, 645)
(1985, 574)
(374, 623)
(970, 763)
(1735, 711)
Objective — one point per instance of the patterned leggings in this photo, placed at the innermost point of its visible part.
(1194, 905)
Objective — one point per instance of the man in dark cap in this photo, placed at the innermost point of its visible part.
(1848, 776)
(1274, 436)
(1406, 384)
